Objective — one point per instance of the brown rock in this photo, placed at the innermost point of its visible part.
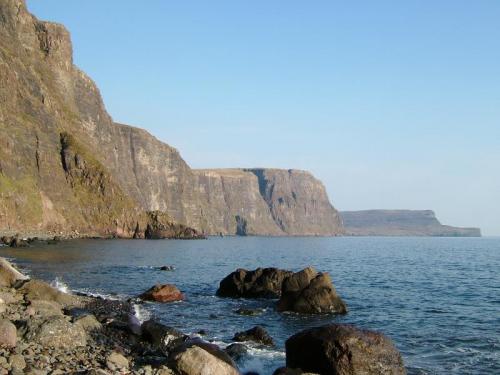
(8, 334)
(39, 290)
(55, 331)
(256, 334)
(9, 276)
(310, 292)
(200, 360)
(343, 349)
(163, 293)
(116, 362)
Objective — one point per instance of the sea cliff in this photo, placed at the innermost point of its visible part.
(401, 223)
(67, 167)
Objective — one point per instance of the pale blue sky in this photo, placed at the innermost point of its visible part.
(392, 104)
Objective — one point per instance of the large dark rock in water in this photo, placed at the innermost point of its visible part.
(161, 336)
(343, 349)
(256, 334)
(310, 292)
(260, 283)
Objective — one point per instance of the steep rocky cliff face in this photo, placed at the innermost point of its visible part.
(66, 166)
(400, 223)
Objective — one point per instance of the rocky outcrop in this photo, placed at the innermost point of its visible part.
(310, 292)
(343, 349)
(401, 223)
(65, 166)
(259, 283)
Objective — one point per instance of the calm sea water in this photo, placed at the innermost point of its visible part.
(437, 298)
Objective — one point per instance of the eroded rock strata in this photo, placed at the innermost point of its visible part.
(65, 166)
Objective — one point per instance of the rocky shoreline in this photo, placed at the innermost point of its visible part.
(46, 331)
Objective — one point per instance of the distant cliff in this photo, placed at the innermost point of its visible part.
(400, 223)
(66, 166)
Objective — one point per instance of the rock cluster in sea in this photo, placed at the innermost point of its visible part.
(45, 331)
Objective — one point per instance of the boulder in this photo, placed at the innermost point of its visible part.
(18, 242)
(200, 358)
(8, 334)
(88, 322)
(45, 308)
(9, 276)
(167, 268)
(259, 283)
(310, 292)
(161, 336)
(163, 293)
(236, 351)
(55, 331)
(116, 362)
(5, 240)
(256, 334)
(343, 349)
(39, 290)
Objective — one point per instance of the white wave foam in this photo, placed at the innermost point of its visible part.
(141, 313)
(60, 285)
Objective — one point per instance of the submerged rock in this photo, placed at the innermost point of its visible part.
(343, 349)
(163, 293)
(310, 292)
(259, 283)
(256, 334)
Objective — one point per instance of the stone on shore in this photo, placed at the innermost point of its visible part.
(9, 276)
(161, 336)
(117, 362)
(200, 358)
(163, 293)
(259, 283)
(89, 323)
(343, 349)
(55, 331)
(310, 292)
(39, 290)
(8, 334)
(44, 308)
(256, 334)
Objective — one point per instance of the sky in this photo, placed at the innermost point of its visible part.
(392, 104)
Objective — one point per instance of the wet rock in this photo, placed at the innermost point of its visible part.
(260, 283)
(9, 276)
(248, 312)
(6, 240)
(200, 359)
(8, 334)
(167, 268)
(39, 290)
(161, 336)
(163, 293)
(236, 351)
(343, 349)
(56, 331)
(310, 292)
(116, 362)
(256, 334)
(18, 242)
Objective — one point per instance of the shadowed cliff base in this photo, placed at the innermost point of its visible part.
(401, 223)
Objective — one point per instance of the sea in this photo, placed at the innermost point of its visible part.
(438, 299)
